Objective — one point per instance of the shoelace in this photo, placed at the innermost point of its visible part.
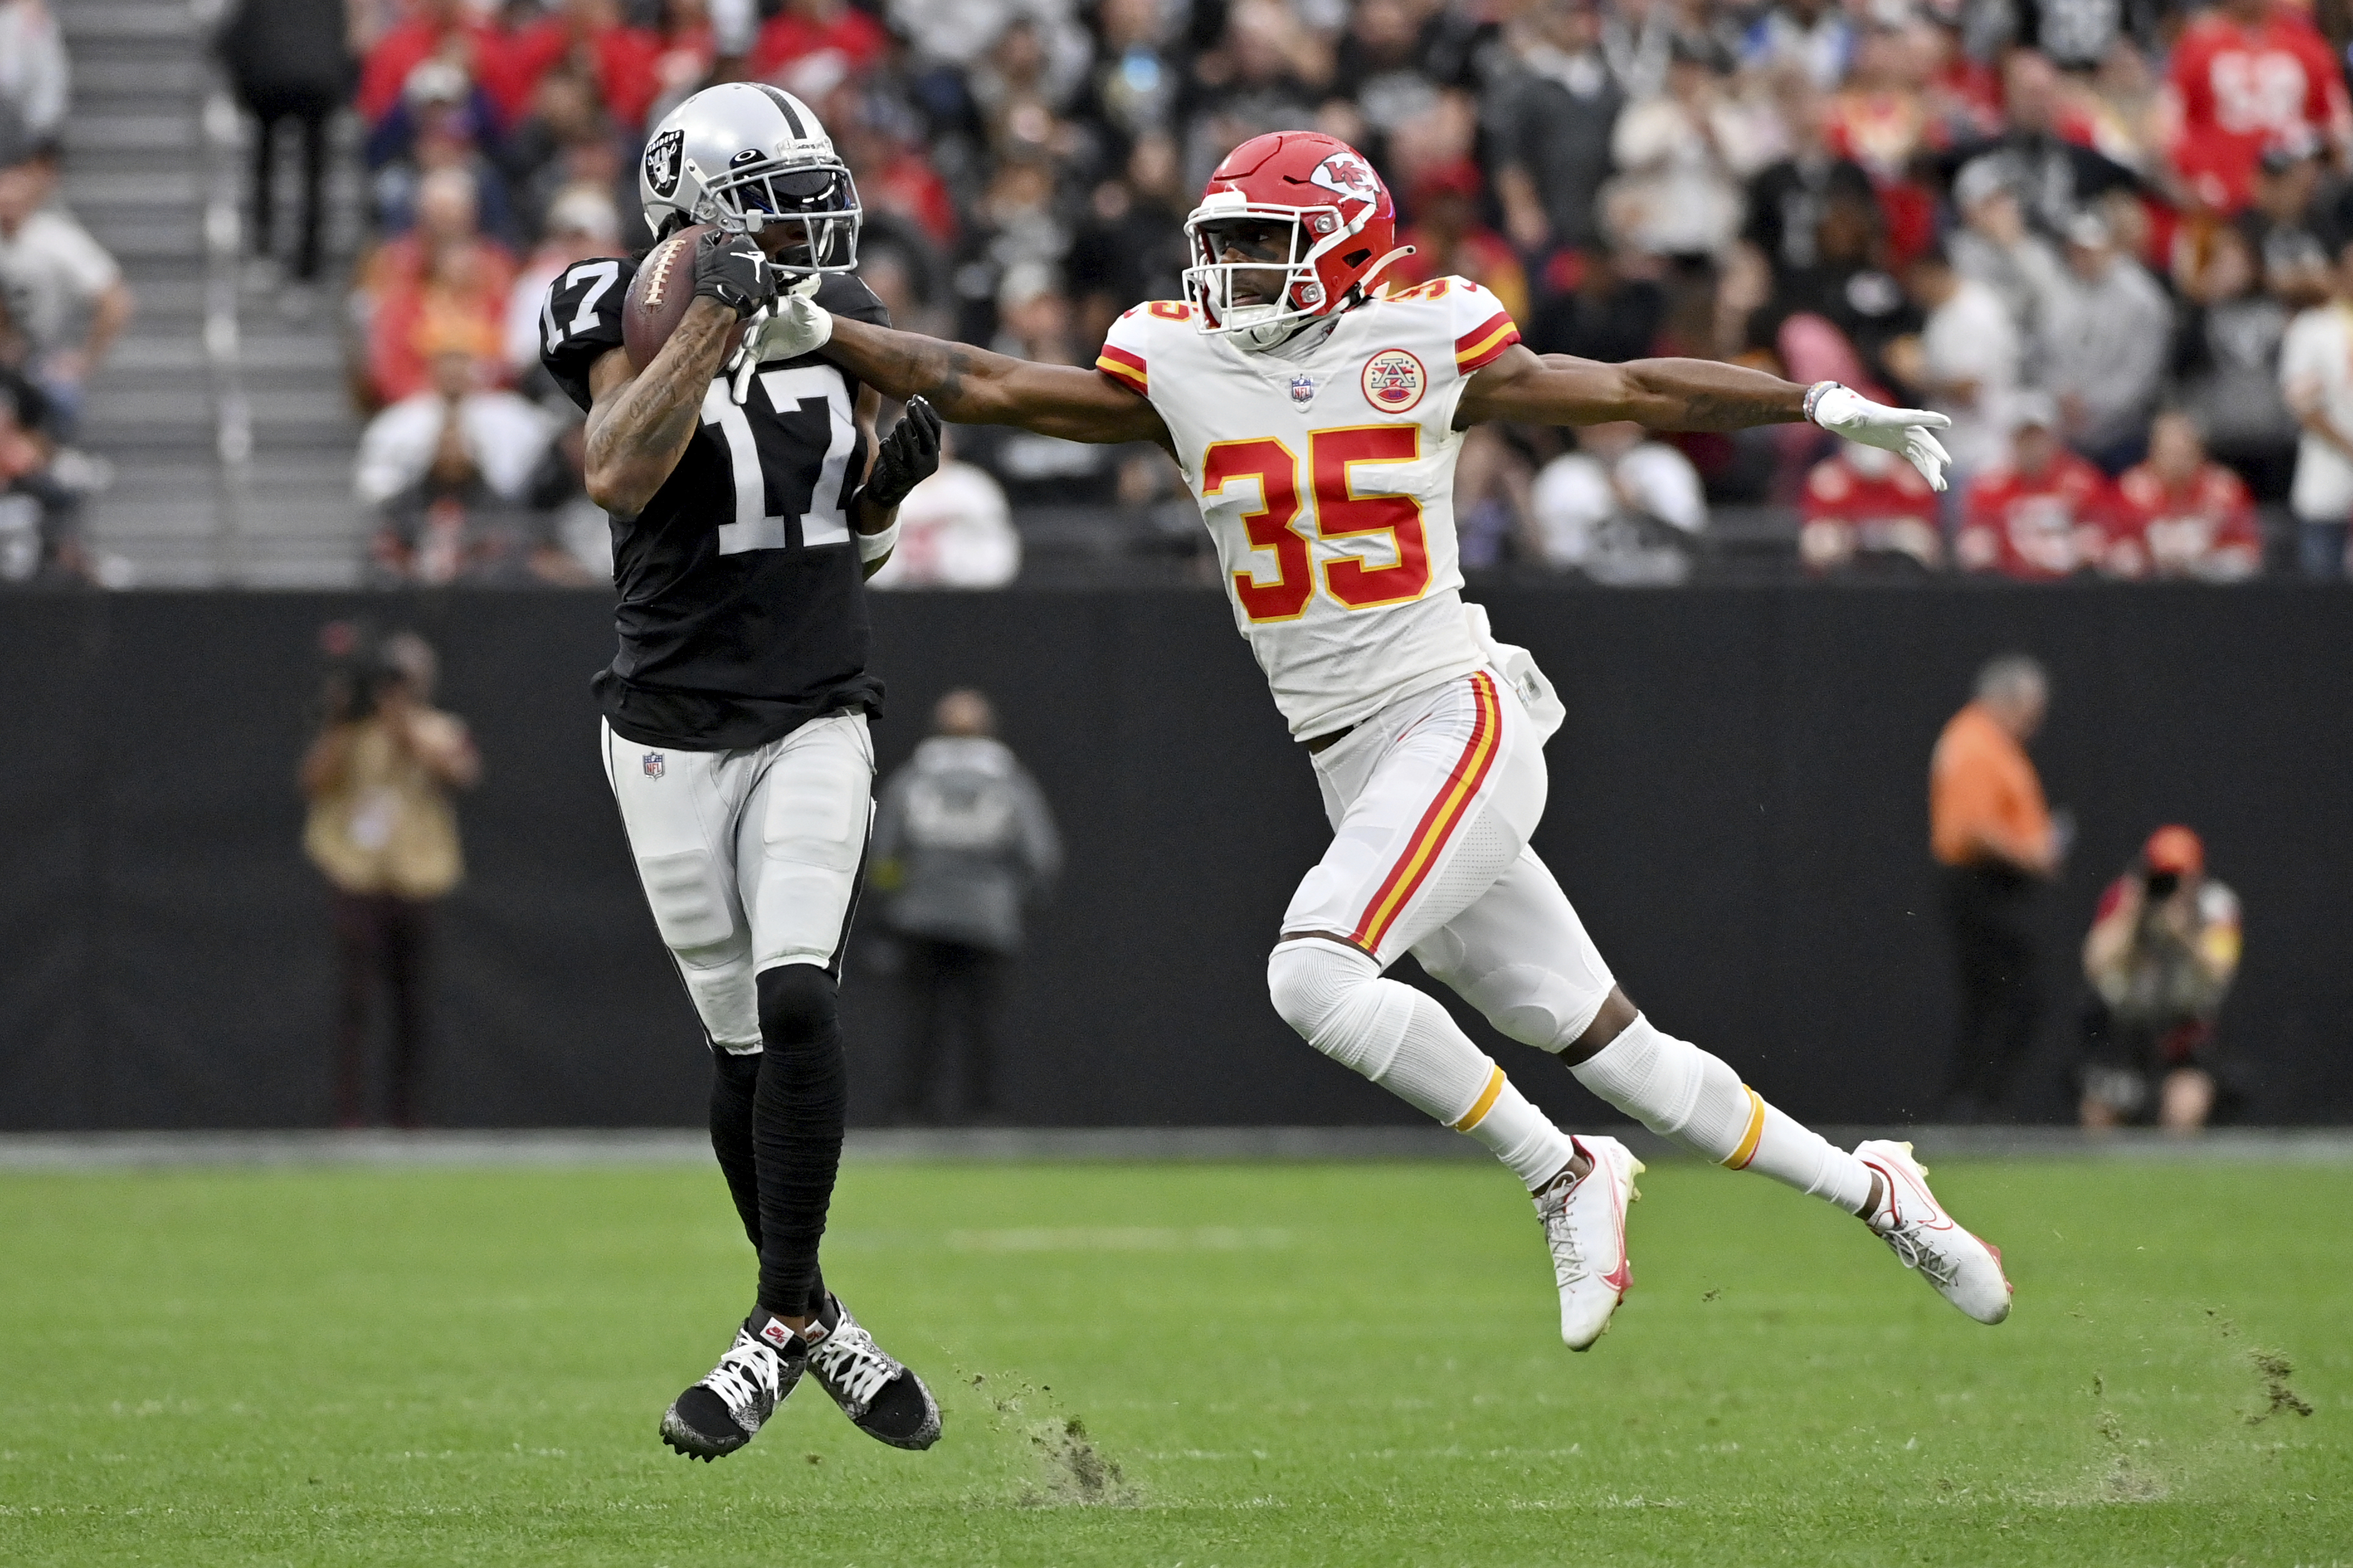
(1567, 1257)
(1910, 1250)
(743, 1375)
(850, 1361)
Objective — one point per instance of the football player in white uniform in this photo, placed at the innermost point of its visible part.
(1317, 419)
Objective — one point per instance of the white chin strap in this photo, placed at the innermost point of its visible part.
(1254, 329)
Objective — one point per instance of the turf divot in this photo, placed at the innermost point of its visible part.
(1072, 1468)
(1077, 1471)
(2275, 1368)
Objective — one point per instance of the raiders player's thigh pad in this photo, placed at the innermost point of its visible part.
(802, 841)
(680, 809)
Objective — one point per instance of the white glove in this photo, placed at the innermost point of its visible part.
(1843, 411)
(790, 325)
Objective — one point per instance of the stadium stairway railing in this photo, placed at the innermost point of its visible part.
(223, 415)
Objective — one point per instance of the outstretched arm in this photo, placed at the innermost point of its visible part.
(1662, 393)
(968, 385)
(1690, 394)
(974, 386)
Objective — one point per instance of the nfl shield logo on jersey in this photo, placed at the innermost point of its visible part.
(653, 764)
(1302, 391)
(1393, 381)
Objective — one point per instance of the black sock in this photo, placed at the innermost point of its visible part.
(734, 1082)
(797, 1114)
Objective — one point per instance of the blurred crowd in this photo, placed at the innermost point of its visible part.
(2106, 236)
(63, 303)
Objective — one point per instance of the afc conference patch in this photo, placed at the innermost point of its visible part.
(1393, 381)
(653, 764)
(1302, 391)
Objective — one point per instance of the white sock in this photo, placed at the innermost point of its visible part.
(1404, 1041)
(1519, 1134)
(1788, 1151)
(1678, 1091)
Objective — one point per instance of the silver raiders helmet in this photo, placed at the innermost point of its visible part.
(743, 156)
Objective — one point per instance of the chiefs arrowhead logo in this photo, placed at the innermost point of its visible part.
(664, 156)
(1346, 174)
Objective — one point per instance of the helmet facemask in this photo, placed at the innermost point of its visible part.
(1264, 300)
(818, 198)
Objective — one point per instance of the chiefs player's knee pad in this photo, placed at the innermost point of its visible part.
(1672, 1087)
(1533, 1004)
(1334, 998)
(798, 1003)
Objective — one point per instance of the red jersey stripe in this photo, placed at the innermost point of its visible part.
(1128, 367)
(1437, 824)
(1474, 351)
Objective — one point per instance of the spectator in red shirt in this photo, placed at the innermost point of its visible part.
(1868, 508)
(2245, 75)
(2179, 515)
(440, 280)
(620, 60)
(2045, 516)
(435, 29)
(807, 28)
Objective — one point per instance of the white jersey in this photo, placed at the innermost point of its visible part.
(1326, 476)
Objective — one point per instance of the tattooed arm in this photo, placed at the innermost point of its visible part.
(640, 421)
(1663, 393)
(974, 386)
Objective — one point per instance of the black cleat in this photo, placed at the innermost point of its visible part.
(720, 1414)
(882, 1398)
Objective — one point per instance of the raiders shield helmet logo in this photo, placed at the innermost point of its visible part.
(663, 155)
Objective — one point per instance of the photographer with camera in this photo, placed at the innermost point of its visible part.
(378, 778)
(2161, 957)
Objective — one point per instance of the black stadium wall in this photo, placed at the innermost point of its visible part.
(1737, 809)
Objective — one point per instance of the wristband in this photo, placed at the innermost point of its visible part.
(875, 546)
(1814, 394)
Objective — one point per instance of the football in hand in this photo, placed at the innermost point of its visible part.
(659, 295)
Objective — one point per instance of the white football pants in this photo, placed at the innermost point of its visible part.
(750, 859)
(1431, 802)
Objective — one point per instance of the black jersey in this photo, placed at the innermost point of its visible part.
(743, 609)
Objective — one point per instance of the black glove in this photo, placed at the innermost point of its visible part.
(907, 457)
(732, 270)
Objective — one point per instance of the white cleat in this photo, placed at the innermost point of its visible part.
(1965, 1271)
(1585, 1224)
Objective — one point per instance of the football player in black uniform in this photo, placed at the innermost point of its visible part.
(749, 500)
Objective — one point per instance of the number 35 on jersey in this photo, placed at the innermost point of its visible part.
(1327, 506)
(1325, 475)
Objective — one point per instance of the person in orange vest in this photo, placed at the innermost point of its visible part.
(1991, 832)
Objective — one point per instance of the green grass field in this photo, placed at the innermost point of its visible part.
(1342, 1364)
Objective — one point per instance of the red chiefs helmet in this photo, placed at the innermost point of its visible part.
(1341, 222)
